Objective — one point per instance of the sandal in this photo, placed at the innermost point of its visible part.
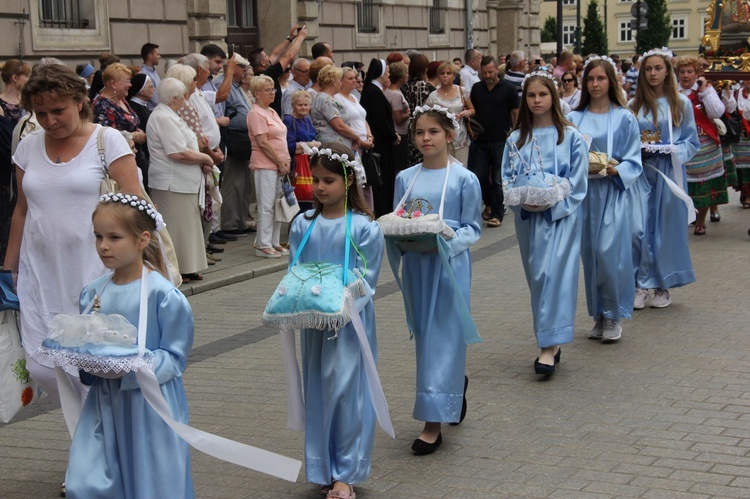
(340, 494)
(281, 250)
(494, 222)
(745, 205)
(700, 230)
(267, 253)
(486, 213)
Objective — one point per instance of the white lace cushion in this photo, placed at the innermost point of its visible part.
(538, 196)
(86, 358)
(393, 225)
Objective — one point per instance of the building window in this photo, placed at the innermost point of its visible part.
(679, 28)
(367, 17)
(69, 25)
(625, 34)
(569, 34)
(569, 2)
(75, 14)
(437, 17)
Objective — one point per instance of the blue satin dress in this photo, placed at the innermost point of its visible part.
(606, 243)
(550, 241)
(661, 256)
(437, 323)
(122, 448)
(339, 417)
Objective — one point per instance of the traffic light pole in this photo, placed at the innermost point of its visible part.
(577, 49)
(559, 27)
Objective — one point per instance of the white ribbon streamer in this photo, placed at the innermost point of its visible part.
(222, 448)
(70, 401)
(676, 189)
(295, 404)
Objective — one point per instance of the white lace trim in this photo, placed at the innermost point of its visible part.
(64, 357)
(658, 148)
(394, 226)
(538, 196)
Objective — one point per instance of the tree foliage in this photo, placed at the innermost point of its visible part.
(659, 29)
(594, 40)
(549, 31)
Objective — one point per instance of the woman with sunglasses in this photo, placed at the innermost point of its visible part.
(570, 93)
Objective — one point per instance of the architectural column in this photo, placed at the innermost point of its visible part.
(514, 25)
(206, 23)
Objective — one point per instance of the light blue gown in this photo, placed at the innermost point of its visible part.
(661, 256)
(339, 417)
(122, 448)
(606, 243)
(437, 323)
(550, 241)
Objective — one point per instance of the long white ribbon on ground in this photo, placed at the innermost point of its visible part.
(676, 188)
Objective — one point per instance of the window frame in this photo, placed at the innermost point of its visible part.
(52, 39)
(675, 20)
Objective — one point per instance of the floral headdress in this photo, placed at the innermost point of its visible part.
(664, 52)
(543, 74)
(356, 166)
(138, 204)
(600, 58)
(423, 109)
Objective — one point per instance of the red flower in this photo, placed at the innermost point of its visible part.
(27, 395)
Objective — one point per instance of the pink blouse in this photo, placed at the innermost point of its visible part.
(265, 121)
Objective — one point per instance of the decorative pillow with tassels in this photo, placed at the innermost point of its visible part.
(314, 296)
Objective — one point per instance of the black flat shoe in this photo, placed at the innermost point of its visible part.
(214, 249)
(543, 369)
(716, 217)
(240, 232)
(558, 355)
(422, 448)
(224, 235)
(464, 406)
(214, 239)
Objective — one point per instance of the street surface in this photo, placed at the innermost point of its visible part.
(664, 413)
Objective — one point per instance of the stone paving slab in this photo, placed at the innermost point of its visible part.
(661, 414)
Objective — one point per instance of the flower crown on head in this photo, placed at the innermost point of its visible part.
(543, 74)
(663, 51)
(600, 58)
(423, 109)
(359, 171)
(137, 203)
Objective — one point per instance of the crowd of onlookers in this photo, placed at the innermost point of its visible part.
(213, 136)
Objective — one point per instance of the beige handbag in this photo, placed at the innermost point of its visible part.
(110, 186)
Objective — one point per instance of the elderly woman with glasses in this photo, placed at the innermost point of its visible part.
(269, 161)
(570, 93)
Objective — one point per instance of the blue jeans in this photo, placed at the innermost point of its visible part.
(485, 161)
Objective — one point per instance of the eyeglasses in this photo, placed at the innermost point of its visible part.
(567, 80)
(303, 71)
(269, 90)
(126, 80)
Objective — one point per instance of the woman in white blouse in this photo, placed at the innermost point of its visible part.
(357, 119)
(176, 175)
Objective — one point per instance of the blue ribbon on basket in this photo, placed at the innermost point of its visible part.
(8, 297)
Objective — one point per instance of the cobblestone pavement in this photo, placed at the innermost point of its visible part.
(663, 413)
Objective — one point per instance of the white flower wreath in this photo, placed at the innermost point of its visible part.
(137, 203)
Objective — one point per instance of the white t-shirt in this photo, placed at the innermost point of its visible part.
(357, 115)
(168, 134)
(58, 251)
(202, 104)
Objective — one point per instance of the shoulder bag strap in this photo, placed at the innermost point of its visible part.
(100, 150)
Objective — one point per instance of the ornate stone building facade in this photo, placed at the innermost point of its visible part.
(78, 30)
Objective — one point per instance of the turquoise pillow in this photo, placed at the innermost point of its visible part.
(313, 296)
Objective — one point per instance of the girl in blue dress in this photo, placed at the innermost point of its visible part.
(662, 209)
(437, 320)
(544, 145)
(339, 415)
(610, 127)
(122, 448)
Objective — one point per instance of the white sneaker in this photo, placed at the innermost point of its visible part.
(661, 299)
(611, 331)
(641, 298)
(597, 331)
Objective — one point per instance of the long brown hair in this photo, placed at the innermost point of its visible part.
(524, 122)
(137, 222)
(645, 97)
(615, 91)
(442, 119)
(355, 200)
